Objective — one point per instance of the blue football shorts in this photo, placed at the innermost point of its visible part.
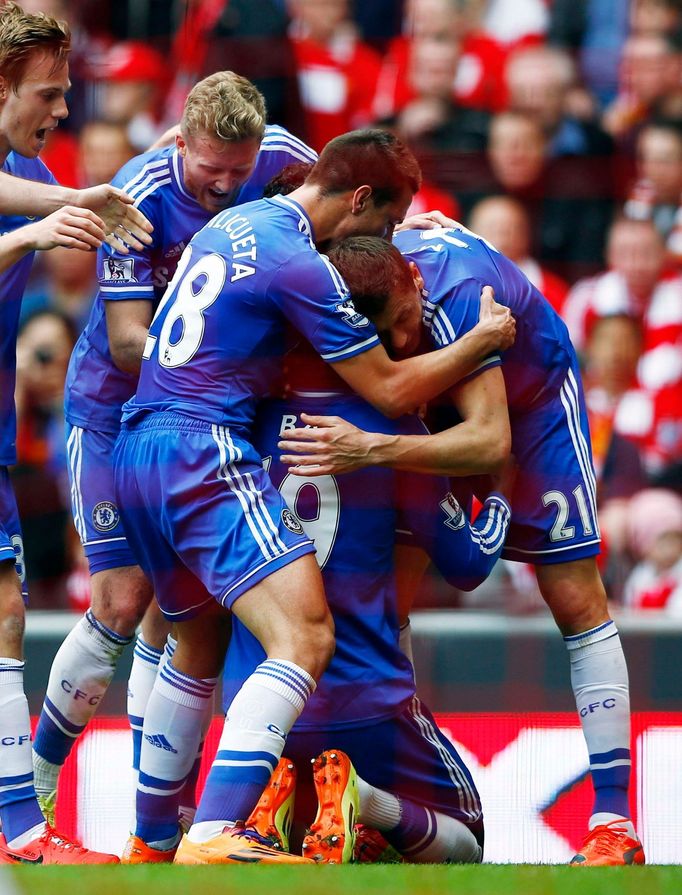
(11, 544)
(95, 510)
(554, 507)
(200, 512)
(554, 501)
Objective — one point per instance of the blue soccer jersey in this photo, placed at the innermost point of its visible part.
(12, 285)
(216, 344)
(95, 388)
(354, 520)
(456, 264)
(554, 499)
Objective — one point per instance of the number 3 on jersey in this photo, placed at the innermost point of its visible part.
(183, 327)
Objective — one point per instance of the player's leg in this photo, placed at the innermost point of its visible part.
(174, 725)
(84, 666)
(288, 614)
(575, 594)
(148, 653)
(85, 663)
(555, 527)
(142, 688)
(25, 836)
(21, 817)
(412, 784)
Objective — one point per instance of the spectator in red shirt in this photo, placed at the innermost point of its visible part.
(655, 522)
(477, 81)
(337, 73)
(103, 148)
(635, 285)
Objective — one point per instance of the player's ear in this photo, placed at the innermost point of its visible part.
(181, 144)
(416, 275)
(4, 89)
(361, 199)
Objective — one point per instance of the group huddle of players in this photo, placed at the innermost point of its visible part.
(291, 528)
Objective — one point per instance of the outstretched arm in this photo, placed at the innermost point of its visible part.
(73, 228)
(124, 225)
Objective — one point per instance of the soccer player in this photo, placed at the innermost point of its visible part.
(223, 155)
(199, 511)
(413, 785)
(33, 81)
(555, 524)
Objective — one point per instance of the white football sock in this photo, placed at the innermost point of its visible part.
(448, 840)
(80, 675)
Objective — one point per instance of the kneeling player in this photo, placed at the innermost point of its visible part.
(412, 784)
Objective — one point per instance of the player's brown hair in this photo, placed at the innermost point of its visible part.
(373, 157)
(289, 179)
(22, 34)
(373, 269)
(224, 105)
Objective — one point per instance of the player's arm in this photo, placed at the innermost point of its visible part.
(73, 228)
(480, 444)
(124, 224)
(127, 327)
(397, 387)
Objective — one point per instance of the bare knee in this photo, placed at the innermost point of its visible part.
(308, 642)
(575, 595)
(316, 652)
(120, 598)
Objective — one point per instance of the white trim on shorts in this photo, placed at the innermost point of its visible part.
(469, 802)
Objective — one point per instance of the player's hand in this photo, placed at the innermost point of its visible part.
(124, 224)
(495, 321)
(429, 220)
(332, 446)
(73, 228)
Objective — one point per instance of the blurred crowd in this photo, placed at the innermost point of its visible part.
(551, 127)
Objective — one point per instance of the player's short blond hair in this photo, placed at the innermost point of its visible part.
(224, 105)
(22, 34)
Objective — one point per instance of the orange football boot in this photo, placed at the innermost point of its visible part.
(274, 812)
(331, 838)
(235, 845)
(137, 851)
(52, 848)
(609, 845)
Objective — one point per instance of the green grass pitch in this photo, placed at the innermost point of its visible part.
(352, 880)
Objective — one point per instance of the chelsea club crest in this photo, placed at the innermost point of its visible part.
(105, 516)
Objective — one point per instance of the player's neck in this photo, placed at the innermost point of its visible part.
(324, 212)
